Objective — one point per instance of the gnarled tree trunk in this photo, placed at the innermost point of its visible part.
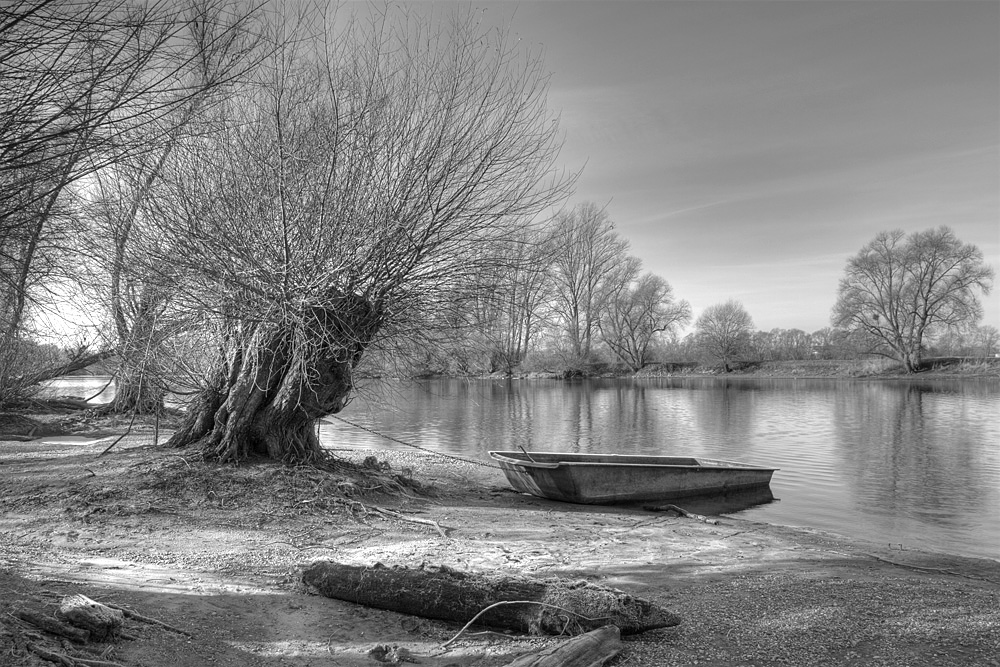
(274, 381)
(137, 391)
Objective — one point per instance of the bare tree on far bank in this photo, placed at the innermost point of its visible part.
(724, 332)
(587, 252)
(901, 289)
(642, 309)
(347, 201)
(508, 316)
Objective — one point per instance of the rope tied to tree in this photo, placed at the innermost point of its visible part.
(410, 444)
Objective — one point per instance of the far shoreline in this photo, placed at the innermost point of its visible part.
(940, 368)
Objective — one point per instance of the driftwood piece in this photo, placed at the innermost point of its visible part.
(402, 517)
(100, 620)
(551, 606)
(53, 626)
(681, 511)
(592, 649)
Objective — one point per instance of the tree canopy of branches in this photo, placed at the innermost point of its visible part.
(588, 255)
(724, 331)
(216, 49)
(783, 344)
(348, 200)
(636, 313)
(899, 289)
(509, 315)
(83, 86)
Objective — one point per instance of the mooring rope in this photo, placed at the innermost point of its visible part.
(410, 444)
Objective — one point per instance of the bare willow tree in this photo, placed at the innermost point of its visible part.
(587, 250)
(900, 289)
(347, 201)
(635, 314)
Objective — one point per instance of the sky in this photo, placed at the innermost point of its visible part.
(748, 149)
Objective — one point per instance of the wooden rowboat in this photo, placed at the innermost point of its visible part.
(612, 478)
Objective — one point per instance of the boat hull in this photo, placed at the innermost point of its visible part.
(615, 479)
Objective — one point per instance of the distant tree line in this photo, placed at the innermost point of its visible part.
(590, 307)
(828, 344)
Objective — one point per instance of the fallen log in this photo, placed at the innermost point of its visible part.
(592, 649)
(537, 606)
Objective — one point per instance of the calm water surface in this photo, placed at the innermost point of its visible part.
(911, 463)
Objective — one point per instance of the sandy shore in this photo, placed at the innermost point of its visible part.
(217, 552)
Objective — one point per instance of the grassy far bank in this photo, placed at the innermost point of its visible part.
(865, 368)
(934, 367)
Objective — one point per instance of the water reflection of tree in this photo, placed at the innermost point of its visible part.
(727, 414)
(906, 453)
(514, 420)
(489, 414)
(579, 419)
(715, 417)
(627, 416)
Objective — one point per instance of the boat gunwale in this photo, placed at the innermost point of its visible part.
(502, 457)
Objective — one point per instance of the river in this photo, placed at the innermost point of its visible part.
(914, 464)
(909, 463)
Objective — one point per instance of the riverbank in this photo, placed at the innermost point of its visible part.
(934, 368)
(951, 368)
(217, 551)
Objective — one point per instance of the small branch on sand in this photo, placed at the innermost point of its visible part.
(87, 662)
(145, 619)
(128, 431)
(682, 512)
(51, 656)
(498, 604)
(403, 517)
(921, 568)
